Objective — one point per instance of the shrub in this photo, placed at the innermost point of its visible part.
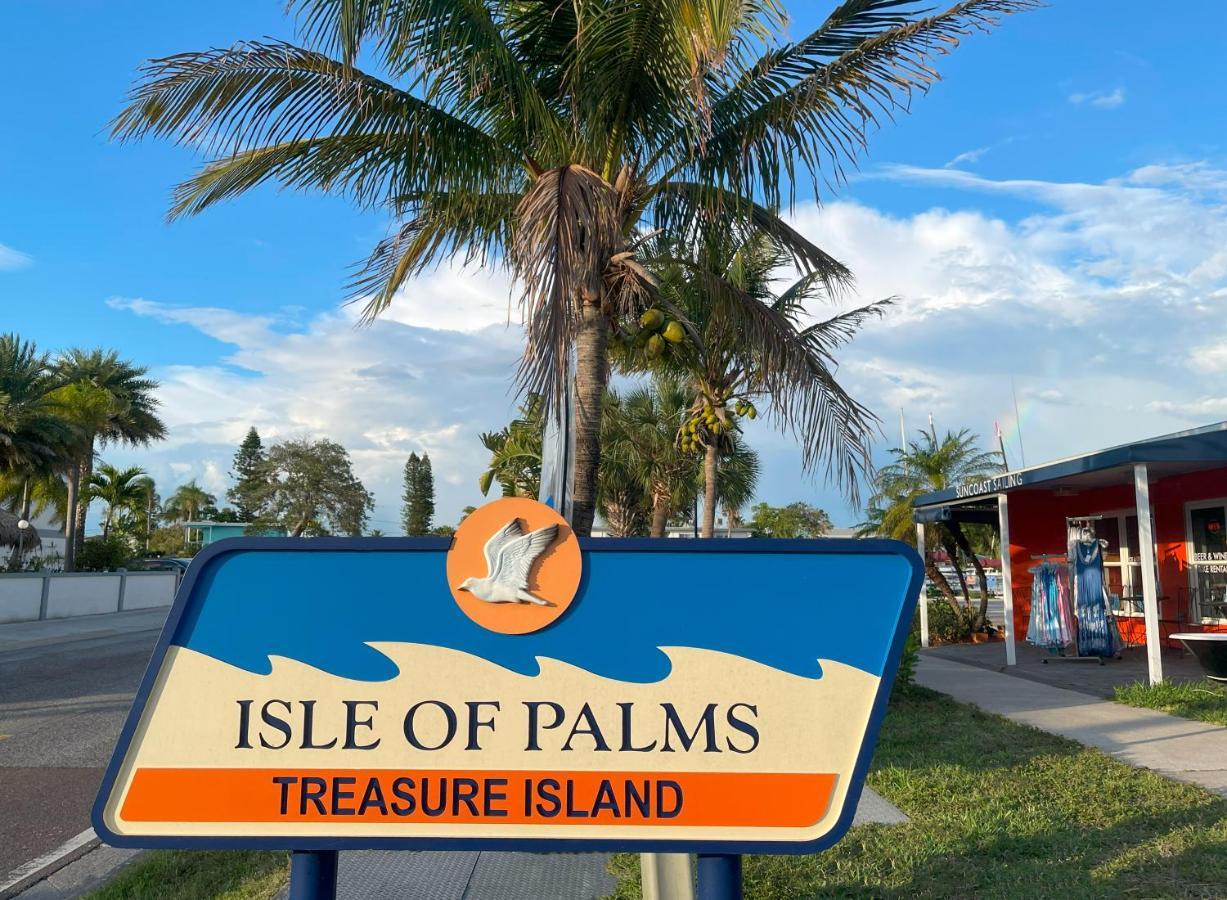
(103, 554)
(906, 675)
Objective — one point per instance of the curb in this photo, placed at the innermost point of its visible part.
(37, 869)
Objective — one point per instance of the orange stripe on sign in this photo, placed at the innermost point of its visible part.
(488, 797)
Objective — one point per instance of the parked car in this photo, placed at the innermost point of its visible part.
(161, 564)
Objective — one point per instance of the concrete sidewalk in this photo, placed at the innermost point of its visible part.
(1180, 749)
(26, 635)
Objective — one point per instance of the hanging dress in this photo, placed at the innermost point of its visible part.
(1097, 633)
(1051, 625)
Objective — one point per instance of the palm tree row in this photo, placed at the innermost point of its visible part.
(55, 413)
(646, 478)
(560, 139)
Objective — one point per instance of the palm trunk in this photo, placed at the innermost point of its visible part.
(952, 550)
(981, 576)
(660, 512)
(591, 377)
(23, 512)
(83, 499)
(943, 586)
(711, 465)
(70, 520)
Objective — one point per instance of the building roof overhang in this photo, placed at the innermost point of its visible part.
(1167, 455)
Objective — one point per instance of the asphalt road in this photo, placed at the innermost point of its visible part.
(61, 709)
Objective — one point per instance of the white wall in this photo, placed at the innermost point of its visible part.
(143, 590)
(21, 597)
(84, 594)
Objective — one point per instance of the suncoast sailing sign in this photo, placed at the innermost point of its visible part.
(515, 687)
(994, 485)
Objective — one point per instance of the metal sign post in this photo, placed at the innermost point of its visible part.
(719, 876)
(313, 875)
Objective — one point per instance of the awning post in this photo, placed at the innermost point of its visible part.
(1007, 578)
(924, 590)
(1150, 591)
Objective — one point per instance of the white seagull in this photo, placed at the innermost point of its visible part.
(510, 554)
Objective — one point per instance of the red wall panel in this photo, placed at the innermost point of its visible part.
(1037, 525)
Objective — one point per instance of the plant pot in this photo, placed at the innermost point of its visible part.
(979, 637)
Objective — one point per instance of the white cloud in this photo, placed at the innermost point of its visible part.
(12, 259)
(381, 391)
(1104, 304)
(967, 156)
(1099, 99)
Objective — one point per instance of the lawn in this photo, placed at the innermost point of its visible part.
(1000, 810)
(197, 875)
(1204, 701)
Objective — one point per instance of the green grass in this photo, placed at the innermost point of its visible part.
(197, 875)
(1000, 810)
(1204, 701)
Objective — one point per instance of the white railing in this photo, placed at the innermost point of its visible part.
(30, 596)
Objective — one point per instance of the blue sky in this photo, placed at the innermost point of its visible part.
(1051, 213)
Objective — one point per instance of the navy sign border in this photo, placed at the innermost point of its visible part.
(748, 546)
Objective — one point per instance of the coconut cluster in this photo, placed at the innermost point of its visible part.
(712, 420)
(656, 331)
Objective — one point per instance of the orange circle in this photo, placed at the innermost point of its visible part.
(554, 576)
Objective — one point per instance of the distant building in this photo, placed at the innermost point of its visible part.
(202, 533)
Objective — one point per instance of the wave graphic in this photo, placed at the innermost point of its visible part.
(325, 609)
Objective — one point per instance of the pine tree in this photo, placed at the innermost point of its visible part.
(250, 473)
(418, 498)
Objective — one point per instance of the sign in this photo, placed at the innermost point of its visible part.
(994, 485)
(515, 688)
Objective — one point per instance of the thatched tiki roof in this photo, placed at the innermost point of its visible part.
(10, 533)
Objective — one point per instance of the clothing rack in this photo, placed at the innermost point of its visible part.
(1077, 657)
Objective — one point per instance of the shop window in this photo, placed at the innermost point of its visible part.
(1207, 556)
(1122, 563)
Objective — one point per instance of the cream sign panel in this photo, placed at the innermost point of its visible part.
(513, 687)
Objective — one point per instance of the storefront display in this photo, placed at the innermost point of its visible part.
(1154, 559)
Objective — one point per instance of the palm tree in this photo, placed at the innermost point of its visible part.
(113, 402)
(515, 453)
(35, 494)
(187, 502)
(641, 438)
(737, 342)
(925, 465)
(120, 489)
(646, 477)
(87, 408)
(546, 135)
(34, 435)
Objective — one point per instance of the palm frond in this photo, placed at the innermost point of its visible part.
(457, 53)
(276, 111)
(444, 225)
(834, 429)
(690, 212)
(807, 109)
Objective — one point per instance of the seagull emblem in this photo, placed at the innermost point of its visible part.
(510, 556)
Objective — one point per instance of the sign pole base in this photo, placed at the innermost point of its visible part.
(313, 875)
(719, 876)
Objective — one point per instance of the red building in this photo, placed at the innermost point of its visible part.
(1161, 507)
